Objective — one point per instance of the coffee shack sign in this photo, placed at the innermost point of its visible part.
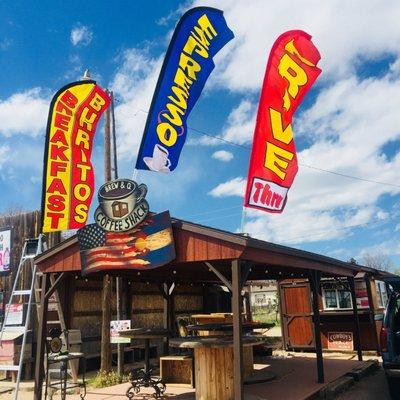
(122, 205)
(125, 234)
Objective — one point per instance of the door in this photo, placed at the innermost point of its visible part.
(297, 315)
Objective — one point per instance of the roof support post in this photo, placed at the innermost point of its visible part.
(371, 305)
(237, 329)
(167, 290)
(315, 283)
(41, 339)
(357, 335)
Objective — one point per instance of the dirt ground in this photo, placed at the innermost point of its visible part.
(372, 387)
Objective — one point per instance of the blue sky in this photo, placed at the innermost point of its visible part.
(349, 122)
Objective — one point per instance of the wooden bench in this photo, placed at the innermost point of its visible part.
(177, 370)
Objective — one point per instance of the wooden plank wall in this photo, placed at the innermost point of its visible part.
(24, 226)
(143, 299)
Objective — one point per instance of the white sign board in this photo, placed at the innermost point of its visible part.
(5, 250)
(119, 325)
(15, 314)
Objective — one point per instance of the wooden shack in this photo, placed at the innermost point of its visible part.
(336, 311)
(23, 225)
(203, 256)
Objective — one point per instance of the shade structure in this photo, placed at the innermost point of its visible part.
(208, 255)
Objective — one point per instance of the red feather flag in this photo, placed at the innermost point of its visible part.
(291, 71)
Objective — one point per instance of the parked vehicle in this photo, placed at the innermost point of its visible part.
(390, 338)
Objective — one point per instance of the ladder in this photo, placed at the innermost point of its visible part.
(31, 248)
(60, 321)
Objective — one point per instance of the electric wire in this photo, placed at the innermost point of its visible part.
(247, 147)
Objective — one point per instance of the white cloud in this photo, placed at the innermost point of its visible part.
(233, 187)
(24, 113)
(397, 228)
(133, 86)
(4, 155)
(346, 131)
(223, 155)
(81, 35)
(353, 35)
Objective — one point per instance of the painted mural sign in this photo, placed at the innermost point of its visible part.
(340, 341)
(200, 34)
(5, 250)
(126, 235)
(291, 71)
(68, 177)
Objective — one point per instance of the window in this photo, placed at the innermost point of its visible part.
(336, 298)
(381, 294)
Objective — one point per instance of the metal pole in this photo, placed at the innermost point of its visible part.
(237, 329)
(114, 138)
(357, 338)
(41, 338)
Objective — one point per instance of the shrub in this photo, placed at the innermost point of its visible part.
(104, 379)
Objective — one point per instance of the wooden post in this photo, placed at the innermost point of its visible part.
(105, 356)
(120, 346)
(315, 283)
(237, 329)
(105, 362)
(166, 290)
(357, 336)
(371, 305)
(41, 339)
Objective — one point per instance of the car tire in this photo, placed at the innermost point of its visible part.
(394, 388)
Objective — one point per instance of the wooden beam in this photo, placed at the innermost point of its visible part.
(246, 269)
(357, 336)
(55, 285)
(315, 283)
(41, 339)
(237, 329)
(224, 280)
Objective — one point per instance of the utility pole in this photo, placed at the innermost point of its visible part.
(105, 362)
(118, 279)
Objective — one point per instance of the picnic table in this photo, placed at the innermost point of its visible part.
(143, 378)
(213, 358)
(227, 327)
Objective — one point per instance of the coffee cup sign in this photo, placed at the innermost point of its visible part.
(122, 205)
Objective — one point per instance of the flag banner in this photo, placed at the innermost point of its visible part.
(68, 177)
(199, 35)
(291, 71)
(149, 245)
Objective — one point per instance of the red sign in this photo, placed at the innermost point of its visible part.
(290, 73)
(340, 341)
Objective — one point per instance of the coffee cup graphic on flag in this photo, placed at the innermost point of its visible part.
(160, 161)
